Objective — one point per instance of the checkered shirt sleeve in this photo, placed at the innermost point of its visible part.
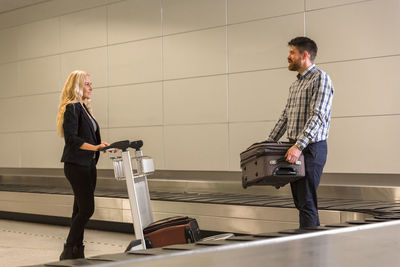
(306, 116)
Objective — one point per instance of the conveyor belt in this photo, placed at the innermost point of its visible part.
(375, 208)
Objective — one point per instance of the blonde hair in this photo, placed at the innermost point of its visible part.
(71, 93)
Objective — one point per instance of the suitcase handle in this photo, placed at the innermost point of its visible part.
(285, 171)
(283, 159)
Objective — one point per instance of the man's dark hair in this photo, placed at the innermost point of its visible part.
(305, 43)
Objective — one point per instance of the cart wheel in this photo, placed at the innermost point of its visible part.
(133, 244)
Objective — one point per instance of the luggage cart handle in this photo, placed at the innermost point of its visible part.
(137, 145)
(124, 145)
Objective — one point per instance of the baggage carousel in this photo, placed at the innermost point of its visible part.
(260, 218)
(216, 200)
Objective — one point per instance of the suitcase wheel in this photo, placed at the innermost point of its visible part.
(189, 235)
(244, 182)
(148, 243)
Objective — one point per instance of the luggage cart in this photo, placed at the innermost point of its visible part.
(136, 183)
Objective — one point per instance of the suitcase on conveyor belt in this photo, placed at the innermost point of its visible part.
(264, 163)
(170, 231)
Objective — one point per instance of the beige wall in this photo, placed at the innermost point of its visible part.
(199, 81)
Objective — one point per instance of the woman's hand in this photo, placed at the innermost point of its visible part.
(105, 144)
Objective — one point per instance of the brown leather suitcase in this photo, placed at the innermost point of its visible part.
(170, 231)
(264, 163)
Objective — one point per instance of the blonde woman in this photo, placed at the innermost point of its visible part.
(82, 140)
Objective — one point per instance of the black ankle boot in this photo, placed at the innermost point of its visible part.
(67, 252)
(78, 252)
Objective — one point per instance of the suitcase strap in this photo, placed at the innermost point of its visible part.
(166, 223)
(169, 219)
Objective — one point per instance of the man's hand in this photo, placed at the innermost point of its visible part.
(293, 154)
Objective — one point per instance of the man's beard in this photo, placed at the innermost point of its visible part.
(294, 66)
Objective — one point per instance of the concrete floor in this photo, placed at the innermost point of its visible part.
(23, 243)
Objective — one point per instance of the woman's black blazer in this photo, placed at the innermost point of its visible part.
(78, 129)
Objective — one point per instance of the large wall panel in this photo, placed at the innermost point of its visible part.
(365, 93)
(135, 105)
(240, 11)
(85, 29)
(94, 61)
(12, 110)
(36, 151)
(258, 96)
(195, 54)
(134, 20)
(364, 145)
(9, 80)
(318, 4)
(199, 81)
(262, 44)
(45, 10)
(364, 30)
(8, 47)
(38, 112)
(188, 15)
(41, 75)
(196, 147)
(11, 146)
(198, 100)
(39, 38)
(135, 62)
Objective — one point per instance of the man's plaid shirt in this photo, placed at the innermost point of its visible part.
(307, 114)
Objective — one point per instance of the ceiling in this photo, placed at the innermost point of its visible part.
(9, 5)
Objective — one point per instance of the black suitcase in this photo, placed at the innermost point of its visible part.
(264, 163)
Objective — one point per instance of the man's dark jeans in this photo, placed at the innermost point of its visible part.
(304, 191)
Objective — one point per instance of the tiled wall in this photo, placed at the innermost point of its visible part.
(199, 81)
